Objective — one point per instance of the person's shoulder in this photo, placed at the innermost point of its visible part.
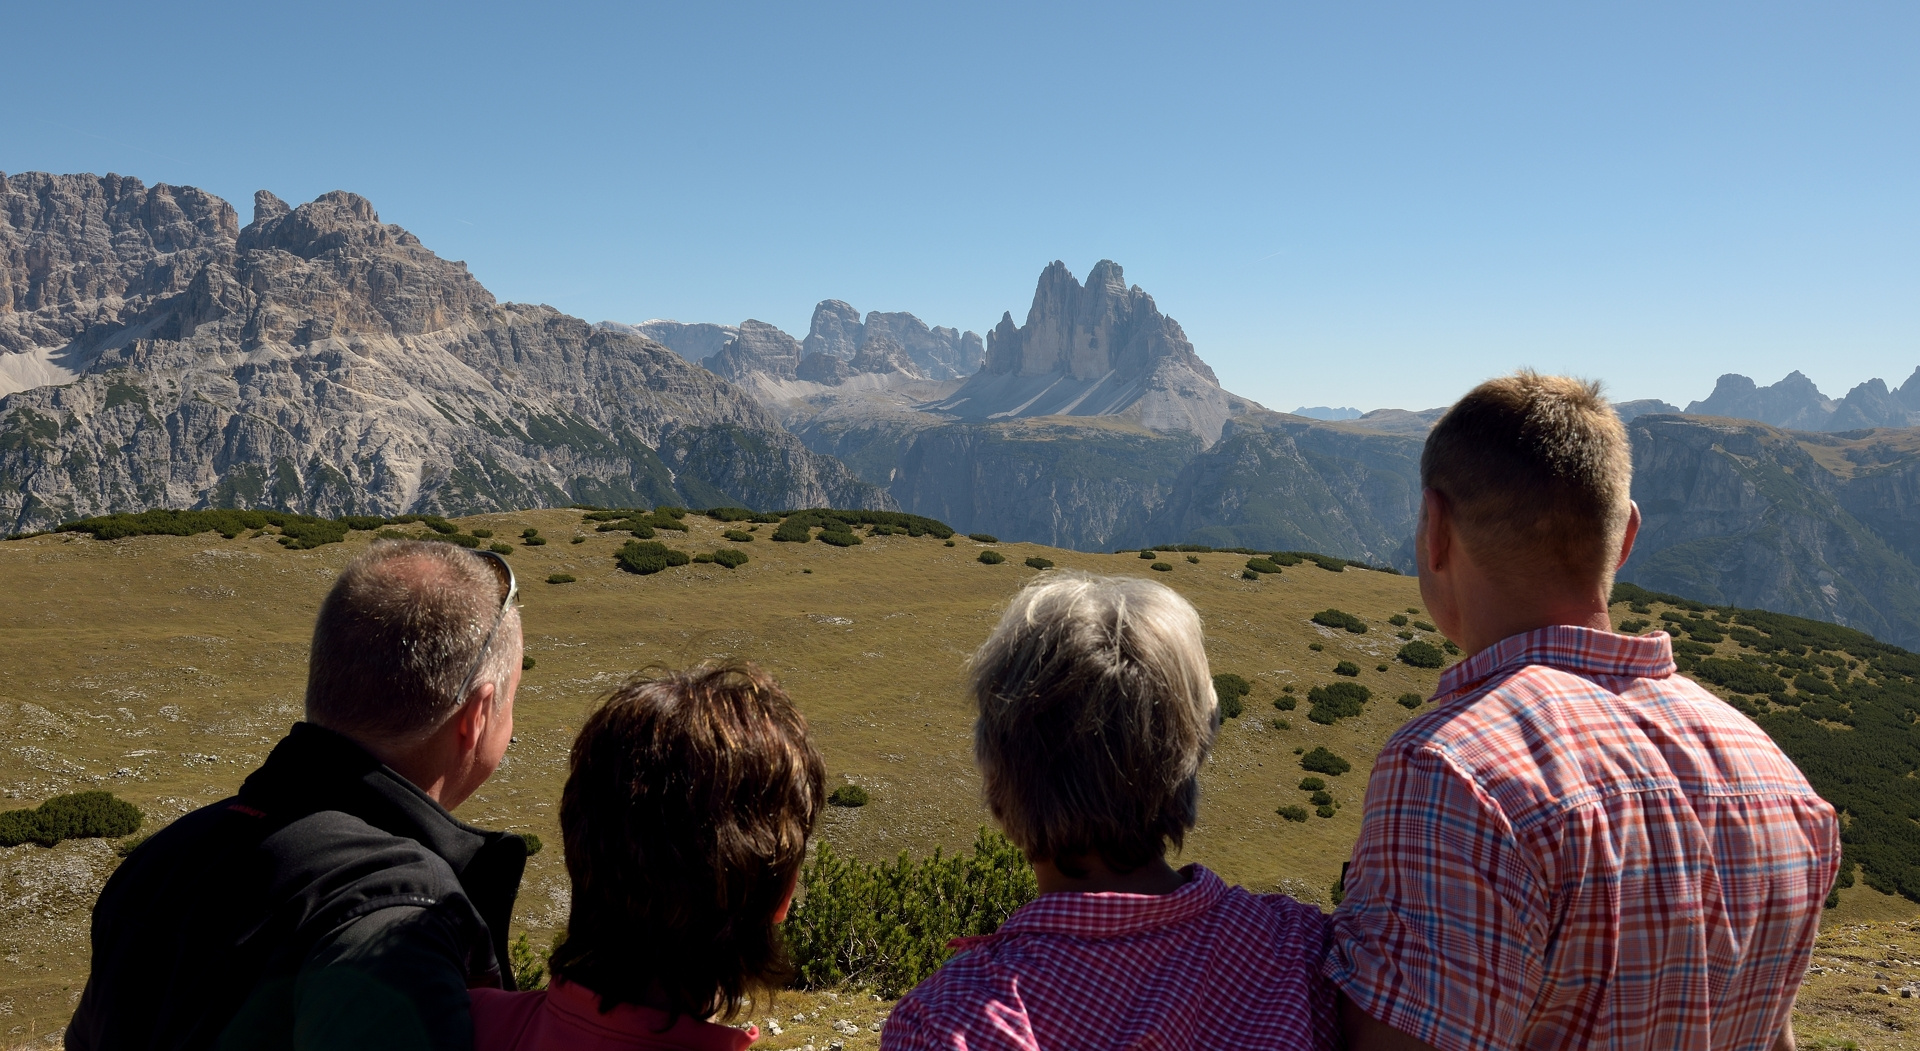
(500, 1017)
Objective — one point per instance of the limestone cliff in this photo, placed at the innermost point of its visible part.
(322, 361)
(1102, 349)
(1796, 404)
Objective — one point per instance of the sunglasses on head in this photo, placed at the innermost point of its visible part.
(509, 589)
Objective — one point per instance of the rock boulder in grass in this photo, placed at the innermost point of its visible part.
(321, 361)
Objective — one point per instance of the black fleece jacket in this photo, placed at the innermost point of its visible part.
(331, 904)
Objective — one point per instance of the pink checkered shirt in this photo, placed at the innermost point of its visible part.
(1576, 848)
(1208, 966)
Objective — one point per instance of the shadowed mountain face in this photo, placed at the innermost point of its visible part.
(322, 361)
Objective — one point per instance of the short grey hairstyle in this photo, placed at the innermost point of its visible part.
(397, 637)
(1095, 710)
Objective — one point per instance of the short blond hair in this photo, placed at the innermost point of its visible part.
(1095, 711)
(1538, 474)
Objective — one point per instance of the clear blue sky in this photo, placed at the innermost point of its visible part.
(1355, 204)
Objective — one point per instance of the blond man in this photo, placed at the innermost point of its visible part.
(1573, 847)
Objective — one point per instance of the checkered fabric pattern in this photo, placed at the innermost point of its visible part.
(1577, 848)
(1208, 966)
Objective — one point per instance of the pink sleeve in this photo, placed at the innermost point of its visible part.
(501, 1018)
(1443, 928)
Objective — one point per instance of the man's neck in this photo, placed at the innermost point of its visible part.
(1155, 877)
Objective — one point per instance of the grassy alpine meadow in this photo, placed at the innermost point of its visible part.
(163, 668)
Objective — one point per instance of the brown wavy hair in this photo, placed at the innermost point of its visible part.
(688, 804)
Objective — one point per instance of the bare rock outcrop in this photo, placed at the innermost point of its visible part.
(323, 361)
(1102, 349)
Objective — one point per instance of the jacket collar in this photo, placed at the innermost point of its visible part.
(314, 769)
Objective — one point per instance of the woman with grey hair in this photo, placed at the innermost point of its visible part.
(1095, 710)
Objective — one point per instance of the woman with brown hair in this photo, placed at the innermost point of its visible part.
(686, 815)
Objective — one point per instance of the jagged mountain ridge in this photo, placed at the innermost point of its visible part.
(1795, 403)
(319, 360)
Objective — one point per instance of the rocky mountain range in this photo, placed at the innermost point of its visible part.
(318, 360)
(1796, 403)
(155, 353)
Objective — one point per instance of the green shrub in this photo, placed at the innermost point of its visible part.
(737, 536)
(1193, 560)
(984, 538)
(1410, 701)
(849, 796)
(1424, 626)
(887, 927)
(560, 578)
(729, 557)
(729, 514)
(1321, 798)
(1285, 704)
(1226, 684)
(80, 815)
(1633, 627)
(703, 559)
(1248, 574)
(648, 556)
(1280, 724)
(1260, 565)
(1293, 813)
(529, 533)
(500, 549)
(527, 663)
(535, 541)
(1316, 647)
(1161, 567)
(533, 843)
(1336, 701)
(1347, 668)
(1312, 784)
(1321, 761)
(1333, 618)
(794, 530)
(839, 538)
(484, 534)
(579, 539)
(1738, 676)
(1379, 667)
(992, 557)
(1421, 654)
(1036, 562)
(1148, 556)
(949, 543)
(1324, 810)
(1398, 620)
(529, 967)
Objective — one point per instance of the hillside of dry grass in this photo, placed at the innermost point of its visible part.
(164, 668)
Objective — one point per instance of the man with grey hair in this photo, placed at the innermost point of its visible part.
(334, 902)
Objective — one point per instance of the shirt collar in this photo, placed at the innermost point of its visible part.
(1112, 915)
(1583, 651)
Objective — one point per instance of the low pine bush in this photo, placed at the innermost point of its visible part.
(1232, 690)
(560, 578)
(1409, 701)
(729, 557)
(984, 538)
(1334, 618)
(1316, 647)
(1036, 562)
(1323, 810)
(1161, 567)
(500, 549)
(1321, 798)
(737, 536)
(794, 530)
(1336, 701)
(1312, 784)
(648, 556)
(842, 537)
(1248, 574)
(1321, 761)
(484, 534)
(1285, 703)
(1424, 626)
(1193, 560)
(849, 796)
(1260, 565)
(527, 663)
(1421, 654)
(1347, 668)
(1398, 620)
(992, 557)
(1293, 813)
(887, 927)
(1148, 556)
(80, 815)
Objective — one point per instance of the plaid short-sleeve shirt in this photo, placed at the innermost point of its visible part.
(1577, 848)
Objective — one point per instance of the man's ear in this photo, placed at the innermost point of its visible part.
(471, 721)
(1436, 527)
(1633, 530)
